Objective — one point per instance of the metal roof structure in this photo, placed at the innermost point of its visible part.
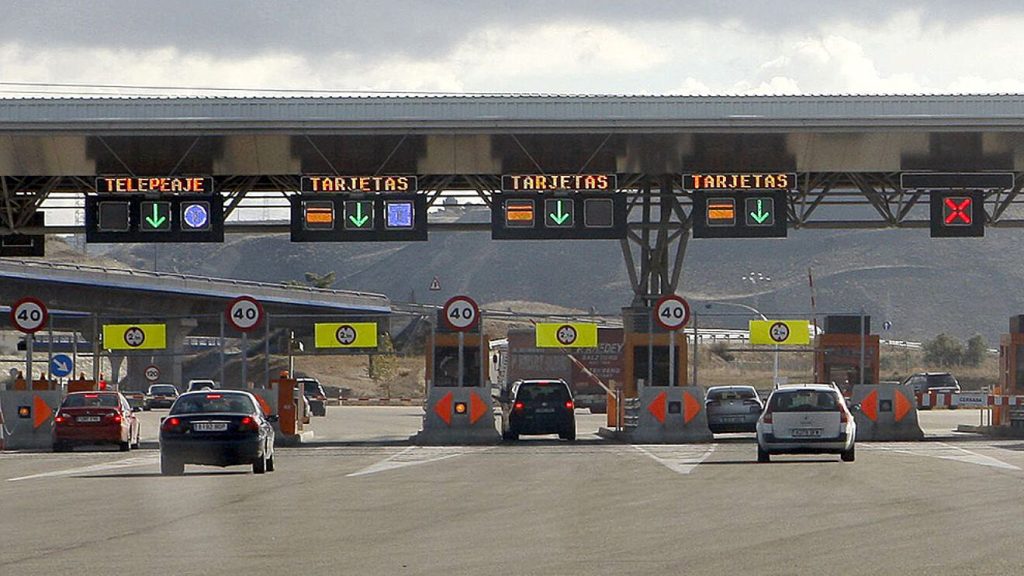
(517, 112)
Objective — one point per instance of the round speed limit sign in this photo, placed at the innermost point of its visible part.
(461, 313)
(29, 315)
(566, 335)
(244, 313)
(152, 373)
(671, 312)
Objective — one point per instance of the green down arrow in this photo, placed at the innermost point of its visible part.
(760, 216)
(560, 217)
(156, 220)
(359, 219)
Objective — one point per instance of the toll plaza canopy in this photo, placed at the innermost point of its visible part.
(841, 159)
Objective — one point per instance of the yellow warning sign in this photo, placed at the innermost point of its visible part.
(345, 335)
(780, 332)
(135, 336)
(566, 335)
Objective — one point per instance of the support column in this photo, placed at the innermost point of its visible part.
(660, 238)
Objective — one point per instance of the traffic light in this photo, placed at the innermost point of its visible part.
(358, 217)
(558, 216)
(116, 218)
(957, 214)
(739, 214)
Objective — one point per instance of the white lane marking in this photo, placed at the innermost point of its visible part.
(414, 455)
(126, 463)
(945, 451)
(680, 459)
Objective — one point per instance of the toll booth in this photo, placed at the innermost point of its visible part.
(1011, 373)
(659, 404)
(459, 407)
(837, 352)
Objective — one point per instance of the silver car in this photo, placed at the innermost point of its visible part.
(732, 409)
(806, 419)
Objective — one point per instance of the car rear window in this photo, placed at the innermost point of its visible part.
(732, 394)
(554, 392)
(211, 403)
(163, 390)
(91, 400)
(804, 401)
(312, 388)
(941, 380)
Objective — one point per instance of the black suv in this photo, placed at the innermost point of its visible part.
(938, 382)
(538, 407)
(314, 393)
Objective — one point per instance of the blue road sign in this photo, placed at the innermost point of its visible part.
(886, 325)
(61, 365)
(196, 215)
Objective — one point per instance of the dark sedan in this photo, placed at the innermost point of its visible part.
(222, 428)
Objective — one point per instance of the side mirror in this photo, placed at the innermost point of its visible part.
(855, 408)
(136, 408)
(273, 418)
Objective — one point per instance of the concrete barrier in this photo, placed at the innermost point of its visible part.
(458, 416)
(669, 415)
(886, 412)
(28, 418)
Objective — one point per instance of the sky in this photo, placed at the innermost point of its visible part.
(523, 46)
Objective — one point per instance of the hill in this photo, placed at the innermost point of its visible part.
(922, 285)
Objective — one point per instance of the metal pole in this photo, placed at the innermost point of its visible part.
(862, 346)
(245, 361)
(462, 341)
(95, 347)
(74, 354)
(221, 349)
(775, 375)
(695, 356)
(484, 358)
(28, 361)
(672, 380)
(433, 361)
(266, 354)
(650, 347)
(49, 350)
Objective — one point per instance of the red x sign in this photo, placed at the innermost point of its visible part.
(957, 211)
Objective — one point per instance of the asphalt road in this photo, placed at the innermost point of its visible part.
(537, 507)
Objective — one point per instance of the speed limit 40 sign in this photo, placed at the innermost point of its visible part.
(29, 315)
(461, 313)
(671, 312)
(244, 313)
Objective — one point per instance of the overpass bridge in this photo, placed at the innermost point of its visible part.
(847, 153)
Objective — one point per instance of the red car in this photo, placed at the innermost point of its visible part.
(95, 418)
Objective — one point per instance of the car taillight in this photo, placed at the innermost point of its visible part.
(844, 416)
(171, 425)
(248, 423)
(569, 405)
(518, 406)
(116, 418)
(767, 418)
(60, 418)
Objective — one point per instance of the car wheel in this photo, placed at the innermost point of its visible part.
(125, 446)
(849, 455)
(260, 465)
(171, 466)
(506, 435)
(763, 456)
(60, 447)
(270, 463)
(570, 435)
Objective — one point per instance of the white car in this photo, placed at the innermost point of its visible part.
(806, 419)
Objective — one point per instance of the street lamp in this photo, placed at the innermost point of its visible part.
(775, 372)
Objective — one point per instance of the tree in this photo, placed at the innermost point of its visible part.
(384, 365)
(320, 280)
(943, 351)
(976, 350)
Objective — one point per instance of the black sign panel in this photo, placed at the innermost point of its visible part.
(957, 214)
(379, 217)
(356, 184)
(118, 218)
(25, 245)
(740, 214)
(726, 181)
(956, 180)
(558, 216)
(154, 185)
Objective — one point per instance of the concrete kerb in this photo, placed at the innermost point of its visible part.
(444, 425)
(667, 415)
(34, 431)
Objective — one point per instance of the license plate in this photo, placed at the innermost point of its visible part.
(209, 426)
(806, 432)
(732, 419)
(88, 418)
(545, 410)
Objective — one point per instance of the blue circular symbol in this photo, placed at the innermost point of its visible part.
(197, 215)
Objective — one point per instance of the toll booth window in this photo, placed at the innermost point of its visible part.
(660, 375)
(446, 367)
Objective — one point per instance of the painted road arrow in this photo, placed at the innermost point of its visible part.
(156, 220)
(760, 216)
(359, 219)
(561, 217)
